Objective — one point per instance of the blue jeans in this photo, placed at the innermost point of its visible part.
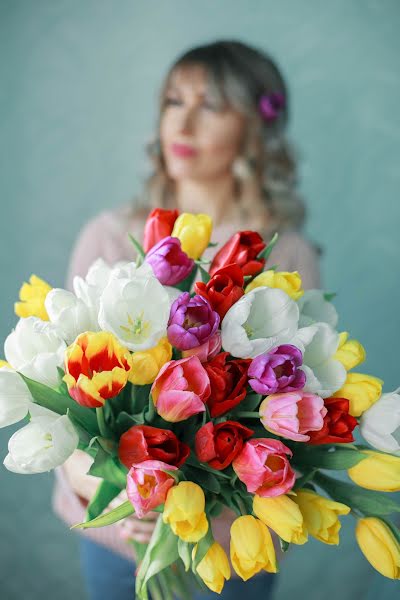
(109, 576)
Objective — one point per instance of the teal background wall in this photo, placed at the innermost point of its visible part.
(78, 89)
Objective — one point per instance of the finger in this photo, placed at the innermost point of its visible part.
(144, 539)
(138, 527)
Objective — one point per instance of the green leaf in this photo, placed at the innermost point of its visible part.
(109, 468)
(250, 403)
(205, 479)
(161, 552)
(192, 461)
(216, 509)
(139, 397)
(365, 501)
(226, 494)
(121, 512)
(184, 550)
(61, 404)
(268, 249)
(327, 457)
(138, 246)
(212, 244)
(329, 296)
(102, 498)
(125, 421)
(205, 275)
(150, 411)
(284, 545)
(186, 284)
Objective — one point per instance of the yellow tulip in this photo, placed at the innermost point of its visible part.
(32, 296)
(379, 546)
(184, 511)
(361, 390)
(288, 282)
(320, 515)
(146, 364)
(283, 516)
(194, 232)
(4, 363)
(380, 472)
(252, 549)
(214, 568)
(350, 352)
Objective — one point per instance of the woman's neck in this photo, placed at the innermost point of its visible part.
(216, 198)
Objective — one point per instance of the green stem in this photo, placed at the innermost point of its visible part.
(101, 421)
(301, 482)
(155, 589)
(241, 506)
(165, 585)
(248, 415)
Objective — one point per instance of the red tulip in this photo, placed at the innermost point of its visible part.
(159, 225)
(242, 248)
(218, 445)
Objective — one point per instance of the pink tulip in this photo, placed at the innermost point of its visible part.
(293, 414)
(180, 389)
(148, 485)
(206, 351)
(264, 468)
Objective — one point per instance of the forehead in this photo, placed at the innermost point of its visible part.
(189, 79)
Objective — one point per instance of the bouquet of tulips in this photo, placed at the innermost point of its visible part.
(197, 386)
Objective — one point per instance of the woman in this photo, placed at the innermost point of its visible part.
(221, 150)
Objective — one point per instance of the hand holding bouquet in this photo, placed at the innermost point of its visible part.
(239, 394)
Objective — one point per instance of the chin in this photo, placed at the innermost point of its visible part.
(180, 171)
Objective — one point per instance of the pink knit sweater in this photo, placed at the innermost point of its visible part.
(106, 236)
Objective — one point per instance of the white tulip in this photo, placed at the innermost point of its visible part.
(91, 287)
(36, 349)
(45, 443)
(15, 397)
(259, 321)
(315, 309)
(325, 375)
(135, 307)
(69, 314)
(380, 424)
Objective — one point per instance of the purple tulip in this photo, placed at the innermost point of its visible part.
(192, 322)
(277, 371)
(169, 262)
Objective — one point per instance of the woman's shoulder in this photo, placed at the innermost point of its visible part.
(115, 222)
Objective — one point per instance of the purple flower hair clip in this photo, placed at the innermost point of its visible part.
(270, 105)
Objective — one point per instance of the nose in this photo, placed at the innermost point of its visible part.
(188, 120)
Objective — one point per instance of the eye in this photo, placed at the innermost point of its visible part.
(172, 101)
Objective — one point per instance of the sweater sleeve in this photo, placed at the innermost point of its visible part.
(292, 252)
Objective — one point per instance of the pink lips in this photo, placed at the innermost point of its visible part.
(183, 150)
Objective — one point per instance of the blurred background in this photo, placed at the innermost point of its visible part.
(78, 96)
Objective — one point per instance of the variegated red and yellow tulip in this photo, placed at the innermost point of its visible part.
(97, 368)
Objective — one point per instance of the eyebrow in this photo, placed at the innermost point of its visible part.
(173, 88)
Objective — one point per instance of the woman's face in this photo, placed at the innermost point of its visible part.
(199, 140)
